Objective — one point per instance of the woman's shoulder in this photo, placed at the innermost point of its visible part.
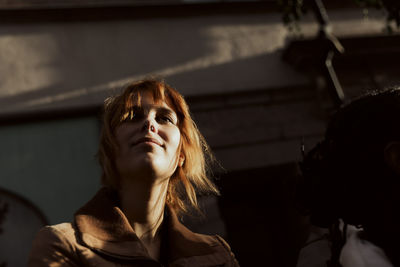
(214, 240)
(228, 250)
(221, 247)
(54, 243)
(63, 232)
(64, 227)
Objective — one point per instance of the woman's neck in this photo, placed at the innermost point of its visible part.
(143, 204)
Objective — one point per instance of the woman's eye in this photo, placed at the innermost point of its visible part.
(133, 115)
(166, 119)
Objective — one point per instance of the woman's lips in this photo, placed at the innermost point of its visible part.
(147, 140)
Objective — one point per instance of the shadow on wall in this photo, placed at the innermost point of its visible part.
(74, 64)
(19, 222)
(258, 207)
(65, 56)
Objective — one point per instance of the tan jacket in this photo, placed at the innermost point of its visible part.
(102, 236)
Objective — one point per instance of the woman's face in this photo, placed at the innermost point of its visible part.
(148, 142)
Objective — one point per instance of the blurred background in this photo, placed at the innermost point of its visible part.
(259, 86)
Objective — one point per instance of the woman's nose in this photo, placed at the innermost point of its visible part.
(149, 125)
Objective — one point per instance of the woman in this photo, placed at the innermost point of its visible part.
(352, 181)
(153, 159)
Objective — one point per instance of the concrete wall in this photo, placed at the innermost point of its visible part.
(69, 64)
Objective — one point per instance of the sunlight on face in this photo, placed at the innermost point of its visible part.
(148, 141)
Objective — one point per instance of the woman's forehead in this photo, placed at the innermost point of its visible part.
(150, 100)
(145, 101)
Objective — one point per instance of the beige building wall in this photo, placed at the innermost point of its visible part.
(52, 65)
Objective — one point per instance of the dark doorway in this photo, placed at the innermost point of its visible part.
(263, 225)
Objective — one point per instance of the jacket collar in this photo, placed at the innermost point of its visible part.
(103, 227)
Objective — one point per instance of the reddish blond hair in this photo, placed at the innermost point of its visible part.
(189, 177)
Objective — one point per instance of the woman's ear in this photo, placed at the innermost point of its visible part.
(392, 156)
(181, 160)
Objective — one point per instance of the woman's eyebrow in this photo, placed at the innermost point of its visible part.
(166, 111)
(161, 109)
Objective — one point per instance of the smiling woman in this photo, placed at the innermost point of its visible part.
(154, 160)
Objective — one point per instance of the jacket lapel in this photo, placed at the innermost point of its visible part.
(103, 227)
(191, 249)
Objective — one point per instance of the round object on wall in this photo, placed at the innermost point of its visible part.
(20, 220)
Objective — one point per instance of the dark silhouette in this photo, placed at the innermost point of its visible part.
(354, 174)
